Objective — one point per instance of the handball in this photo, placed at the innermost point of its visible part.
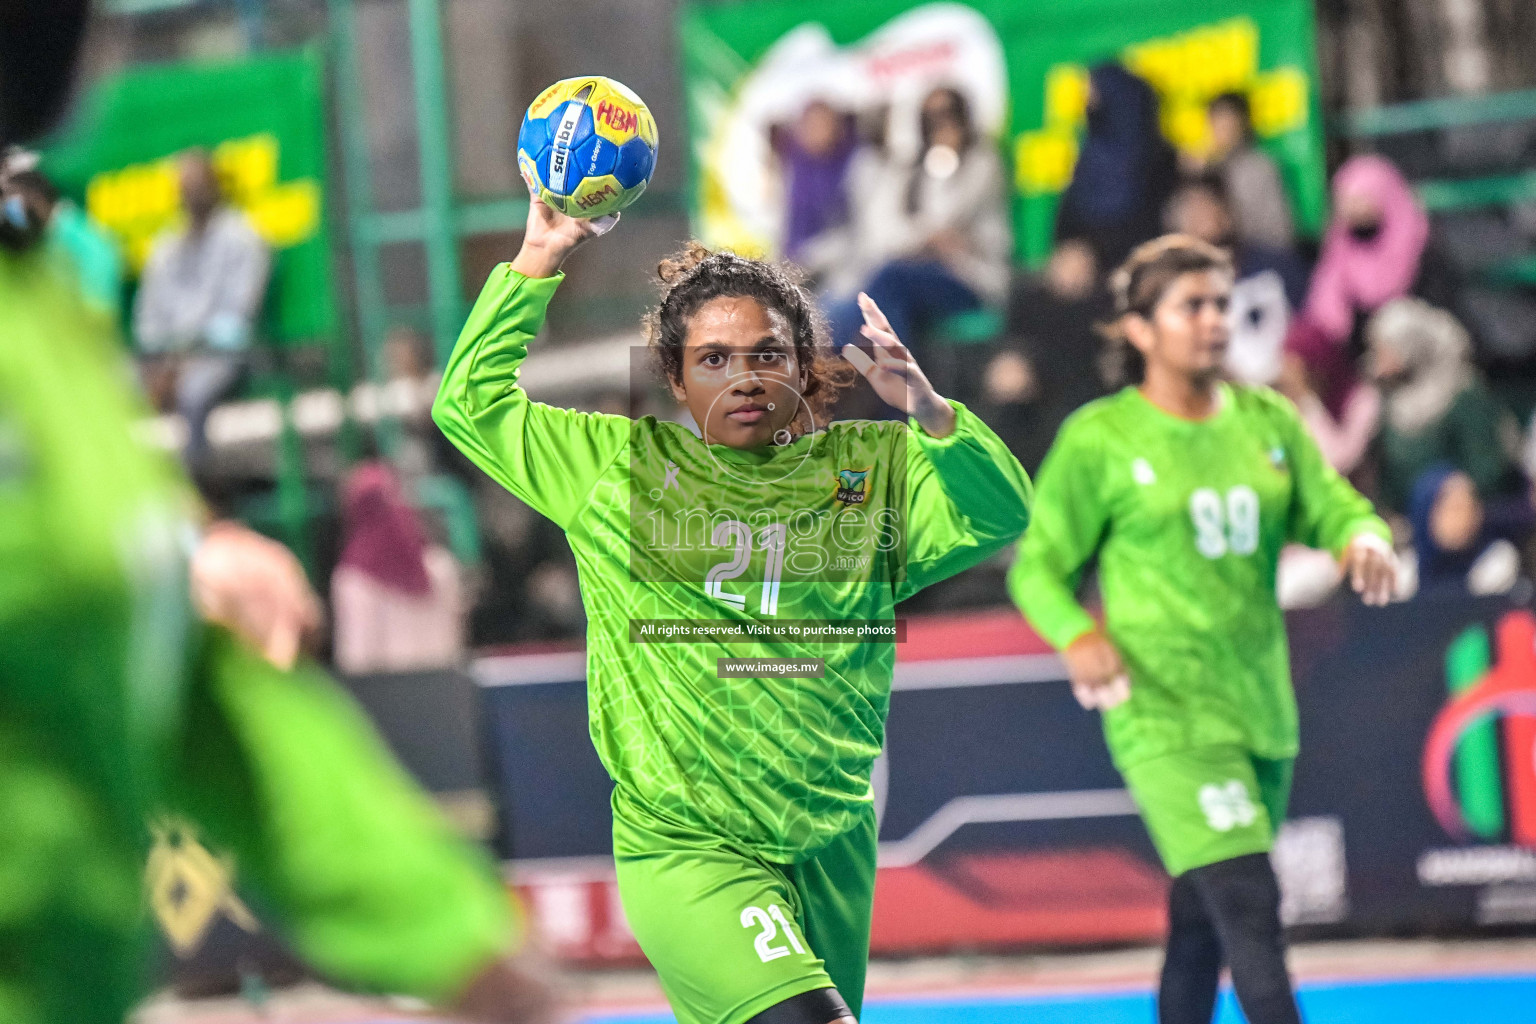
(587, 146)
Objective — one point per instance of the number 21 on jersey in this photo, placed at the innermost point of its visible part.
(1227, 524)
(738, 534)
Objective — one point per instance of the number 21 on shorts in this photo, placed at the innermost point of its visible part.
(768, 930)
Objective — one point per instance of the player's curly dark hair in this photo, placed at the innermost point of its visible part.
(697, 274)
(1140, 283)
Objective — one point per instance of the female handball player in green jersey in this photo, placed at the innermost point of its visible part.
(744, 831)
(120, 701)
(1185, 488)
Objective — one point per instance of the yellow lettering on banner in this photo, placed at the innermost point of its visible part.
(1066, 95)
(1187, 70)
(138, 202)
(1043, 160)
(1202, 61)
(288, 214)
(1186, 125)
(247, 167)
(1279, 100)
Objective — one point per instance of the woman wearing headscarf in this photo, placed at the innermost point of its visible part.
(1435, 406)
(1126, 170)
(1374, 250)
(1462, 543)
(396, 597)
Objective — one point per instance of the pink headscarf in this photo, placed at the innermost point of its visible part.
(385, 538)
(1353, 275)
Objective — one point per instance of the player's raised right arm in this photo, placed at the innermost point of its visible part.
(547, 456)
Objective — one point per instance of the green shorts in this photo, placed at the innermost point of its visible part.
(342, 850)
(731, 934)
(1210, 804)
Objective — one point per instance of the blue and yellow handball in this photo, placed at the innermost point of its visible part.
(587, 146)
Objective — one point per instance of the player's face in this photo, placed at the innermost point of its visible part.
(1187, 333)
(740, 378)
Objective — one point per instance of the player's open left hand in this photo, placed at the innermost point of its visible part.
(1371, 568)
(894, 374)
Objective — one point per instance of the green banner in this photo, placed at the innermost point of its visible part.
(263, 120)
(749, 65)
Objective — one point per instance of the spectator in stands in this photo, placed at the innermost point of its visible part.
(1248, 175)
(1049, 361)
(1341, 410)
(1436, 409)
(935, 226)
(554, 608)
(1271, 282)
(406, 400)
(1373, 251)
(396, 598)
(1462, 543)
(1203, 208)
(86, 251)
(1125, 171)
(814, 154)
(198, 301)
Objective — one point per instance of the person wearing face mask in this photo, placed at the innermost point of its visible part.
(1376, 249)
(81, 247)
(935, 227)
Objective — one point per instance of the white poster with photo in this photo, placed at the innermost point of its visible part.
(886, 74)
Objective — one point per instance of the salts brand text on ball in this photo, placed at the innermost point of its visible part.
(587, 146)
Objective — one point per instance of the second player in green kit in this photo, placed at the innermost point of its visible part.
(743, 819)
(1185, 489)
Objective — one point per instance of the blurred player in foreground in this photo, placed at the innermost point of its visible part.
(1185, 488)
(743, 823)
(120, 697)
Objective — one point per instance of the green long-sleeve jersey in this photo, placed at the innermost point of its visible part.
(1187, 520)
(835, 527)
(96, 631)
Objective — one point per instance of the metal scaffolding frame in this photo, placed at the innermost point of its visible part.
(439, 221)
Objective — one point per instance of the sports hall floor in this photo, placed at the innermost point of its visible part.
(1377, 982)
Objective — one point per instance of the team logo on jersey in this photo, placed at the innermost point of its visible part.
(1143, 473)
(189, 887)
(1227, 806)
(851, 486)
